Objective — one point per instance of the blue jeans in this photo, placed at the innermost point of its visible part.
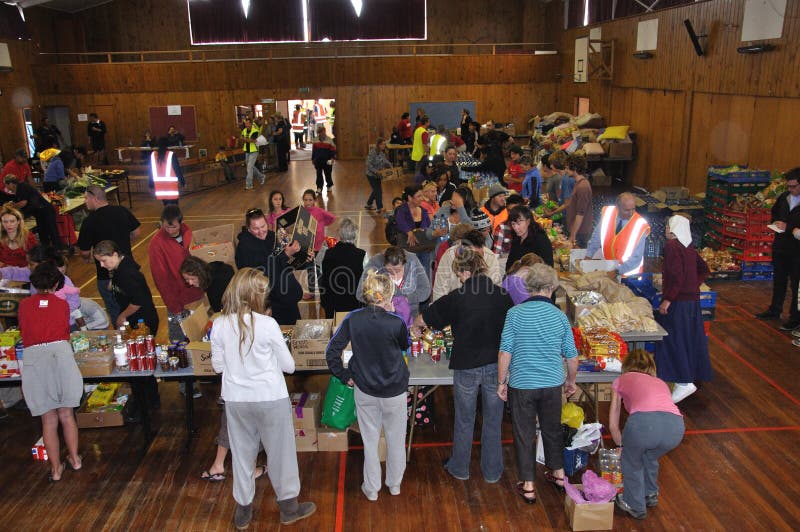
(466, 383)
(647, 437)
(108, 298)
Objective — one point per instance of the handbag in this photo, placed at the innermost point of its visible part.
(339, 409)
(424, 244)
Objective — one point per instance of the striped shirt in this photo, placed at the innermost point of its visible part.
(537, 335)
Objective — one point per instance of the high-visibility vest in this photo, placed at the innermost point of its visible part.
(297, 121)
(497, 219)
(438, 144)
(165, 182)
(620, 246)
(418, 148)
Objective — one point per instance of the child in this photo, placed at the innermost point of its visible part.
(324, 219)
(380, 377)
(222, 159)
(247, 347)
(654, 427)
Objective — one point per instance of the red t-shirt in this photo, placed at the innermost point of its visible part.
(43, 318)
(17, 257)
(22, 171)
(404, 129)
(515, 170)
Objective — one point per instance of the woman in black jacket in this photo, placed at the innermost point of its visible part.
(529, 237)
(380, 377)
(210, 277)
(256, 249)
(342, 267)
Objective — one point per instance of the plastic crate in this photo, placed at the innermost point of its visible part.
(742, 176)
(756, 276)
(725, 275)
(749, 217)
(754, 251)
(750, 266)
(708, 299)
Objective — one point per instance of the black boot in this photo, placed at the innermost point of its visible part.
(243, 516)
(292, 511)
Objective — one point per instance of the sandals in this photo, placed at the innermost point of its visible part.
(525, 494)
(72, 466)
(558, 482)
(60, 476)
(261, 471)
(216, 477)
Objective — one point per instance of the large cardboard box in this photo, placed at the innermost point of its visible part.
(332, 440)
(222, 251)
(589, 516)
(575, 311)
(102, 418)
(622, 149)
(306, 440)
(381, 442)
(212, 235)
(306, 409)
(194, 327)
(308, 353)
(348, 350)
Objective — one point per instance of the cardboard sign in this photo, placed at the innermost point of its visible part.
(212, 235)
(223, 252)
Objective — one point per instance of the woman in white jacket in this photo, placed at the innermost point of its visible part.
(247, 347)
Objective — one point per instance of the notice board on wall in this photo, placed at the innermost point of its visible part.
(167, 115)
(447, 113)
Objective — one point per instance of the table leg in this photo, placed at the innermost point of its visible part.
(138, 386)
(190, 429)
(128, 187)
(411, 423)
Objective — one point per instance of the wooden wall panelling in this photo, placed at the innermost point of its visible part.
(19, 91)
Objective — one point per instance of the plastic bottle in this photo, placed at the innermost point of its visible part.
(141, 328)
(124, 331)
(121, 353)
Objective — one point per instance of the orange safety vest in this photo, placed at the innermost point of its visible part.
(165, 181)
(620, 246)
(496, 219)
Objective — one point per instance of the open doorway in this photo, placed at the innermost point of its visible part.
(305, 117)
(59, 118)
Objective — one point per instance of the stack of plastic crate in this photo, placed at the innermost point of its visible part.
(723, 187)
(747, 233)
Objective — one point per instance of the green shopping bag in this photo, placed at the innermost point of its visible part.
(339, 410)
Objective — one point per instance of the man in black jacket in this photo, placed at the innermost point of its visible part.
(256, 249)
(786, 252)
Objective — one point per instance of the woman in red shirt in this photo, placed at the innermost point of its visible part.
(51, 381)
(15, 240)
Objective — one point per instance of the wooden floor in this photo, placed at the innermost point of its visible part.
(737, 468)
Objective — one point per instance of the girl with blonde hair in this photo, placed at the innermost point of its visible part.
(15, 240)
(248, 348)
(380, 377)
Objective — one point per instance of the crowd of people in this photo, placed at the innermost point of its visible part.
(484, 270)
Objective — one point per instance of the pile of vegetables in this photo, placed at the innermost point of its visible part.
(76, 187)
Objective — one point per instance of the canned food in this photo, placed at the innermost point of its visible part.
(415, 348)
(133, 355)
(149, 344)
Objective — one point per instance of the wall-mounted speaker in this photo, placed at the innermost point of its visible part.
(698, 48)
(5, 58)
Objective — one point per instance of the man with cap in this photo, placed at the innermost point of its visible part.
(514, 172)
(481, 222)
(446, 280)
(620, 236)
(495, 206)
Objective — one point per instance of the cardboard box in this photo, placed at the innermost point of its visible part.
(306, 409)
(575, 311)
(223, 252)
(305, 440)
(200, 355)
(307, 353)
(104, 418)
(11, 293)
(589, 516)
(603, 394)
(332, 440)
(381, 442)
(194, 326)
(347, 354)
(593, 265)
(212, 235)
(95, 363)
(622, 149)
(9, 365)
(675, 193)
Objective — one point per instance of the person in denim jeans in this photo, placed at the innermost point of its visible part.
(476, 312)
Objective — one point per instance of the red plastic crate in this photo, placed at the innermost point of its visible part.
(750, 217)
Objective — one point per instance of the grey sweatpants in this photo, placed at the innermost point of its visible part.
(269, 423)
(391, 414)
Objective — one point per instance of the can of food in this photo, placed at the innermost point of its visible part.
(415, 348)
(133, 355)
(141, 346)
(151, 361)
(436, 353)
(149, 344)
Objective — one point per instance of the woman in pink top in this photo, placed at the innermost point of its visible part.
(277, 208)
(654, 427)
(324, 219)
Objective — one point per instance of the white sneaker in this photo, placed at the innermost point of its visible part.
(682, 391)
(796, 342)
(370, 496)
(394, 490)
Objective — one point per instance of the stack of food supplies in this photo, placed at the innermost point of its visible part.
(623, 311)
(601, 349)
(104, 398)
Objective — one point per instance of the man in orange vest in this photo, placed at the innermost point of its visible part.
(620, 236)
(495, 206)
(165, 173)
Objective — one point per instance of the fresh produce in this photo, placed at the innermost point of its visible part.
(720, 260)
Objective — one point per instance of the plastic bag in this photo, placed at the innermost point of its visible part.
(339, 409)
(596, 489)
(572, 415)
(587, 438)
